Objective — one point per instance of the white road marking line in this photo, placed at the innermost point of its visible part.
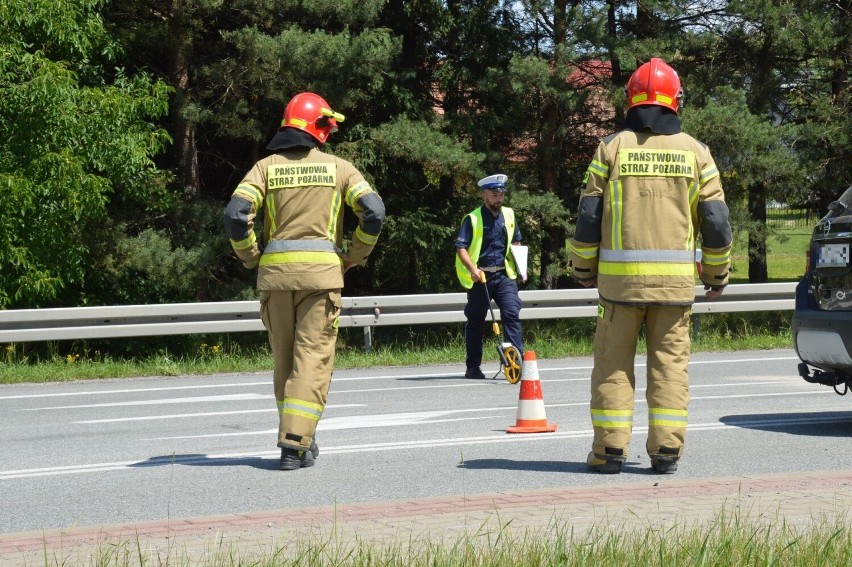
(448, 374)
(757, 421)
(326, 421)
(134, 390)
(193, 400)
(543, 368)
(200, 414)
(351, 424)
(396, 420)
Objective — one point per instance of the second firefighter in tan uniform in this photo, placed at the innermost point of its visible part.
(651, 191)
(303, 192)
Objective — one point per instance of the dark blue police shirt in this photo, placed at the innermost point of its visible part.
(493, 249)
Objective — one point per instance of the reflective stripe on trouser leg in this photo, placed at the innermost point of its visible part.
(613, 378)
(309, 339)
(668, 379)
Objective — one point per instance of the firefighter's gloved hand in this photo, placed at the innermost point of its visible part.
(713, 291)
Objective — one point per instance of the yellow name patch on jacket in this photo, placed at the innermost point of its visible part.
(286, 176)
(656, 163)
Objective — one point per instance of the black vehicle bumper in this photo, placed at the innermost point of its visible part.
(822, 339)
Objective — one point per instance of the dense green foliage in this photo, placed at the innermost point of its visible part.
(128, 124)
(77, 150)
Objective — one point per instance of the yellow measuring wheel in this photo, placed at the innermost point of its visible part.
(511, 360)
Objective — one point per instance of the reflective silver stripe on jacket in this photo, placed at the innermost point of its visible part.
(647, 255)
(300, 245)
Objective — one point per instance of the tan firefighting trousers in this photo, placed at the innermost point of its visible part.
(302, 329)
(614, 380)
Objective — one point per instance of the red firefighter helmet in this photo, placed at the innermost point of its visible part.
(654, 83)
(311, 113)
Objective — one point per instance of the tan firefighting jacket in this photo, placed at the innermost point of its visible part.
(648, 197)
(302, 192)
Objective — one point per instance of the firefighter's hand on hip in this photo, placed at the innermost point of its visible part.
(347, 263)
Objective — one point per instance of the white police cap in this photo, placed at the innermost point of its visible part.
(493, 182)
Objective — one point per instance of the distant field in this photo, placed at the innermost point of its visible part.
(785, 257)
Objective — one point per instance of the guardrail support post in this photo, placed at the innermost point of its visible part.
(696, 325)
(368, 338)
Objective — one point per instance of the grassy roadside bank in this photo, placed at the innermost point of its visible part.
(730, 540)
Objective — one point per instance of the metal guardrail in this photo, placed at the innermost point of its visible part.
(72, 323)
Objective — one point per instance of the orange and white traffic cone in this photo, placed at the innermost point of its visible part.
(531, 418)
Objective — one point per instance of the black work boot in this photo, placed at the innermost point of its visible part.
(292, 459)
(665, 462)
(604, 464)
(474, 372)
(314, 447)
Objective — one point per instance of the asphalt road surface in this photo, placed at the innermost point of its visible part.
(111, 451)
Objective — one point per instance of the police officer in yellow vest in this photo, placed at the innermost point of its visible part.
(651, 191)
(483, 245)
(300, 260)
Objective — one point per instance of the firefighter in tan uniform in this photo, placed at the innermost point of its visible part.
(651, 191)
(300, 260)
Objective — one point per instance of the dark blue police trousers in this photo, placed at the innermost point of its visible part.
(504, 292)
